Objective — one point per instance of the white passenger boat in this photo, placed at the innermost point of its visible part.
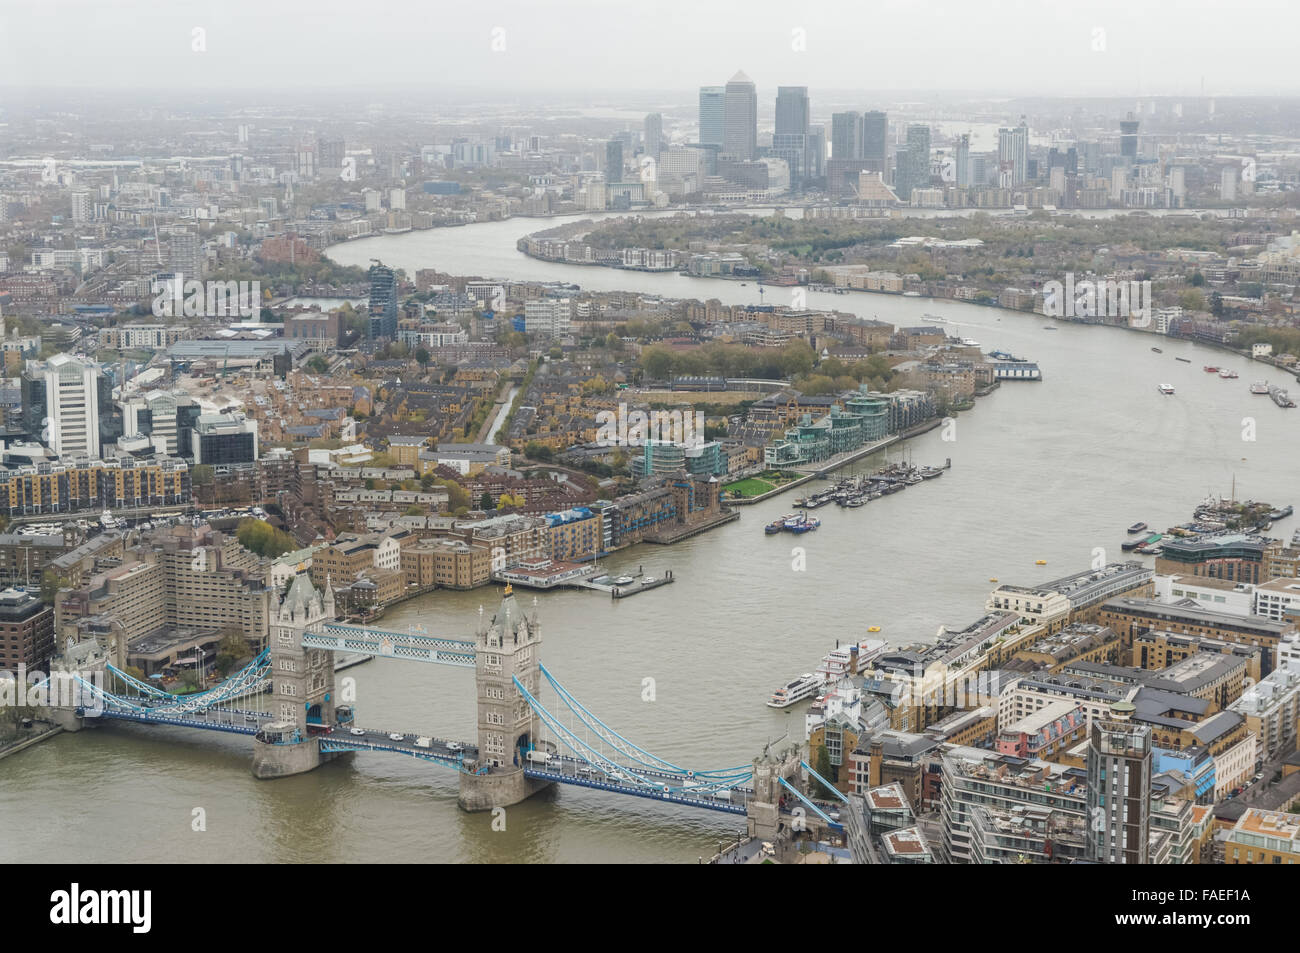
(805, 686)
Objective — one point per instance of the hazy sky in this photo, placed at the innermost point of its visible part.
(1018, 47)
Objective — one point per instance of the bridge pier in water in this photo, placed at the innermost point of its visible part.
(507, 648)
(302, 683)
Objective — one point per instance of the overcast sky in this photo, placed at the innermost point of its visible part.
(1017, 47)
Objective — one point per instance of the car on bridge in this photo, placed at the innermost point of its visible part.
(455, 746)
(395, 736)
(357, 731)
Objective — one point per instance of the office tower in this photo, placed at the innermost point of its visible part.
(1178, 186)
(1128, 137)
(846, 135)
(72, 392)
(1056, 180)
(791, 111)
(816, 152)
(383, 303)
(793, 149)
(1068, 160)
(329, 156)
(184, 254)
(1119, 789)
(1013, 152)
(1228, 183)
(654, 134)
(740, 115)
(913, 170)
(963, 161)
(875, 140)
(713, 110)
(614, 161)
(82, 208)
(223, 439)
(169, 417)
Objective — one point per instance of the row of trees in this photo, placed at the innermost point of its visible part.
(796, 361)
(729, 360)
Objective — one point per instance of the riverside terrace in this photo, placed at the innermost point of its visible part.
(1053, 604)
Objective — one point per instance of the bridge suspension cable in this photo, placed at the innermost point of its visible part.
(627, 748)
(592, 741)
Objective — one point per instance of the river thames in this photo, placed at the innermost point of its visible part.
(1040, 471)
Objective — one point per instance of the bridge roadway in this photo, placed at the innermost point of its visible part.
(239, 721)
(451, 754)
(578, 772)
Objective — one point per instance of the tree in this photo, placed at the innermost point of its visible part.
(657, 362)
(538, 451)
(232, 649)
(485, 501)
(264, 539)
(318, 363)
(457, 496)
(507, 500)
(422, 356)
(822, 765)
(51, 583)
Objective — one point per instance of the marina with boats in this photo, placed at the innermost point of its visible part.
(856, 491)
(1213, 516)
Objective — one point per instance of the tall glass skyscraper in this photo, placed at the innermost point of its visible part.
(614, 161)
(712, 114)
(875, 137)
(740, 128)
(383, 302)
(1013, 152)
(654, 134)
(913, 170)
(791, 111)
(846, 135)
(962, 161)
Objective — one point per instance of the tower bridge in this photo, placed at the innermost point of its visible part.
(286, 700)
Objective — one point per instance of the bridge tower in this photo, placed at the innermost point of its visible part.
(87, 660)
(302, 683)
(508, 647)
(763, 809)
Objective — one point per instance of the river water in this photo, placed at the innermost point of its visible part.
(1049, 470)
